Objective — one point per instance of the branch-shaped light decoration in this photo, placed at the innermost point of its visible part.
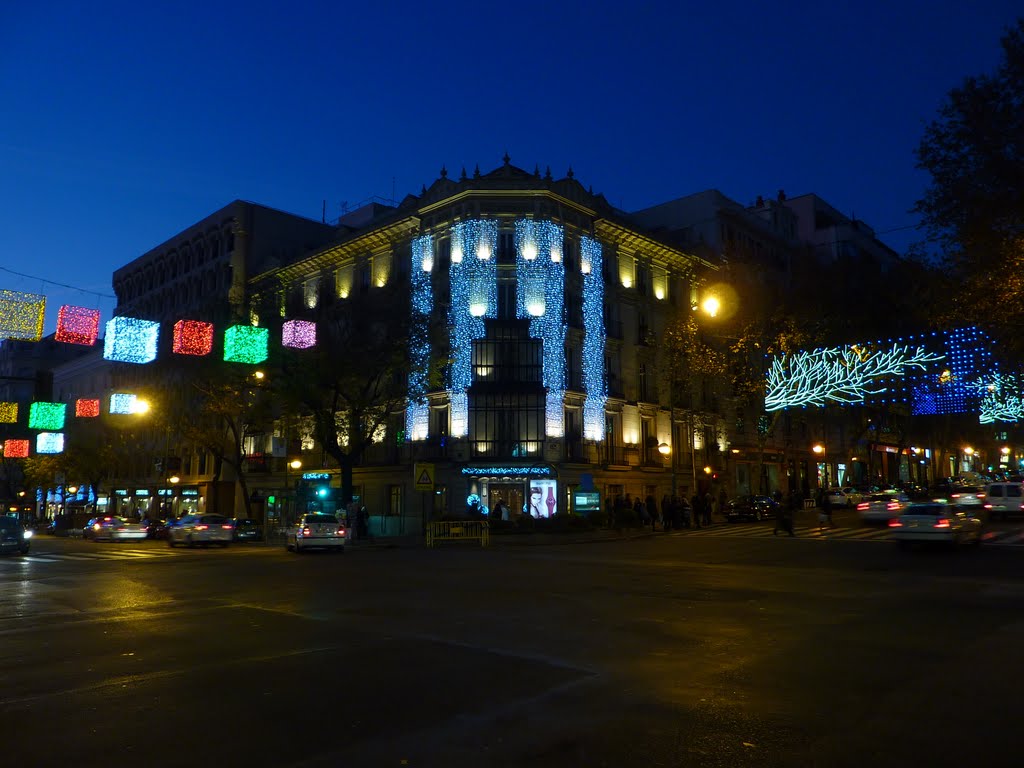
(1001, 398)
(838, 375)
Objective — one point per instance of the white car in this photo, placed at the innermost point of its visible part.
(936, 522)
(112, 528)
(881, 507)
(967, 495)
(200, 529)
(844, 497)
(316, 530)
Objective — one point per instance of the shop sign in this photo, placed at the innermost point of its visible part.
(120, 491)
(142, 491)
(189, 491)
(316, 475)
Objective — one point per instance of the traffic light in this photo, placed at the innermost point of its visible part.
(271, 499)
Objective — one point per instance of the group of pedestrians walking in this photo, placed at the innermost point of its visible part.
(674, 512)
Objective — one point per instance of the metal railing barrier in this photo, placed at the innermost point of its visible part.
(458, 530)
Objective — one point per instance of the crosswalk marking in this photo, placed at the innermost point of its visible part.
(121, 554)
(1011, 538)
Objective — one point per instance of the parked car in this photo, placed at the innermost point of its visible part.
(316, 530)
(200, 529)
(113, 528)
(935, 522)
(881, 507)
(1004, 499)
(156, 529)
(751, 508)
(247, 530)
(14, 537)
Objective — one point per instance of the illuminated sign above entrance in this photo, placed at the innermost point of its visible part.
(508, 471)
(316, 475)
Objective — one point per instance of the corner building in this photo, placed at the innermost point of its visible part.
(554, 303)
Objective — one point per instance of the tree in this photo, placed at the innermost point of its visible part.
(353, 385)
(973, 207)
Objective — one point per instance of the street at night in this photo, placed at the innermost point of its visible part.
(723, 647)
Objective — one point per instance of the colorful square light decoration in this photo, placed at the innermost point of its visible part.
(192, 337)
(77, 325)
(16, 449)
(21, 315)
(48, 416)
(87, 408)
(8, 413)
(246, 344)
(50, 442)
(123, 403)
(130, 340)
(299, 334)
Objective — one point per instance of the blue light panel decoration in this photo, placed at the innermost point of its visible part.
(50, 442)
(839, 375)
(474, 286)
(417, 414)
(540, 296)
(130, 340)
(952, 386)
(593, 340)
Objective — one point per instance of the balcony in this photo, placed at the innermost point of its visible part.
(504, 450)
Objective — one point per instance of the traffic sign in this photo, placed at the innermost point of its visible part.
(423, 476)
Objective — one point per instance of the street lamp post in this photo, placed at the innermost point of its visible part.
(819, 450)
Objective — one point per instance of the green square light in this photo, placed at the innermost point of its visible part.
(246, 344)
(47, 416)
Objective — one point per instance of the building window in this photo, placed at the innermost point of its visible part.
(507, 360)
(506, 425)
(395, 501)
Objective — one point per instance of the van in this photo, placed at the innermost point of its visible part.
(1004, 499)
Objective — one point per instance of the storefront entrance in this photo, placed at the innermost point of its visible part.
(510, 494)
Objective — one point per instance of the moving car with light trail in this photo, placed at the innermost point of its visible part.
(112, 528)
(934, 522)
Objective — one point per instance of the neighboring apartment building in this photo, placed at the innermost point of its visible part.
(783, 245)
(199, 274)
(554, 303)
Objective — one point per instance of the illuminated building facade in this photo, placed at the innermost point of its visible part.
(554, 303)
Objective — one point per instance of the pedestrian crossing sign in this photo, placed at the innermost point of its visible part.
(423, 476)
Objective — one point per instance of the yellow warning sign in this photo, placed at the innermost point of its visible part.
(423, 476)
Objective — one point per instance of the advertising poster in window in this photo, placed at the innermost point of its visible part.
(542, 499)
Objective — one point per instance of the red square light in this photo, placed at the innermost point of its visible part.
(87, 408)
(193, 337)
(77, 325)
(16, 449)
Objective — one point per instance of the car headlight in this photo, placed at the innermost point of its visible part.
(27, 533)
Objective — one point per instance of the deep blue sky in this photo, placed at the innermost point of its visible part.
(124, 123)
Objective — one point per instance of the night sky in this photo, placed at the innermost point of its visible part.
(124, 123)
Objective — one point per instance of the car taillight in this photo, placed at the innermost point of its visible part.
(989, 506)
(892, 506)
(226, 527)
(942, 522)
(895, 523)
(202, 527)
(955, 495)
(305, 531)
(96, 527)
(861, 507)
(980, 495)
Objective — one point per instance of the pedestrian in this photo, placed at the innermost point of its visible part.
(363, 522)
(652, 510)
(640, 511)
(666, 513)
(697, 509)
(709, 504)
(826, 509)
(784, 516)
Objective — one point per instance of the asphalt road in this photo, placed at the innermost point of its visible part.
(733, 649)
